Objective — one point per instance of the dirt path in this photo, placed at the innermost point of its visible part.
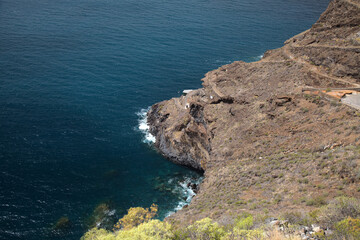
(313, 68)
(326, 46)
(215, 89)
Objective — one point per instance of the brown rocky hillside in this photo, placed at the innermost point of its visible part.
(268, 136)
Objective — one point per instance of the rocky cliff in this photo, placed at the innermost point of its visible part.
(269, 135)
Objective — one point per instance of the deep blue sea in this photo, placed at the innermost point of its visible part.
(76, 77)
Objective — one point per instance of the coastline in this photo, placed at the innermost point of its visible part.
(279, 149)
(186, 188)
(248, 114)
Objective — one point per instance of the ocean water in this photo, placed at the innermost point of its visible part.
(76, 78)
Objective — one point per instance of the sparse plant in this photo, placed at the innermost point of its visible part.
(136, 216)
(204, 229)
(338, 210)
(316, 201)
(348, 228)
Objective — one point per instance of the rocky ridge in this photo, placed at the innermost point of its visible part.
(265, 144)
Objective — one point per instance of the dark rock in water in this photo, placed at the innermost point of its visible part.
(103, 216)
(112, 173)
(163, 187)
(62, 224)
(160, 186)
(193, 187)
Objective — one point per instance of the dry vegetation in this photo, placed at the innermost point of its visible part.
(342, 215)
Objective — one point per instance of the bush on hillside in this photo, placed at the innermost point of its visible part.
(151, 230)
(338, 210)
(245, 222)
(135, 217)
(242, 229)
(205, 229)
(348, 228)
(98, 234)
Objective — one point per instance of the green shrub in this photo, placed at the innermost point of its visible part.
(242, 229)
(135, 217)
(349, 228)
(316, 201)
(205, 229)
(244, 223)
(241, 202)
(338, 210)
(151, 230)
(98, 234)
(314, 215)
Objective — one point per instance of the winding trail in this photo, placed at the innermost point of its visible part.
(326, 46)
(313, 68)
(216, 90)
(286, 49)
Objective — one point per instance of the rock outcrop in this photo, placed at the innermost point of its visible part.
(257, 135)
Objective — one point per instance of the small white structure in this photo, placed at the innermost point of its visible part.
(187, 106)
(185, 92)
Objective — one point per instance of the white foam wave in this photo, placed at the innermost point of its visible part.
(144, 126)
(185, 192)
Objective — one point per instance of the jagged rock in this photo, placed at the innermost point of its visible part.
(280, 101)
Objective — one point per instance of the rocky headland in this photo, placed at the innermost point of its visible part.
(272, 136)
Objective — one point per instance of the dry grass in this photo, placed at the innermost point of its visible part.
(277, 235)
